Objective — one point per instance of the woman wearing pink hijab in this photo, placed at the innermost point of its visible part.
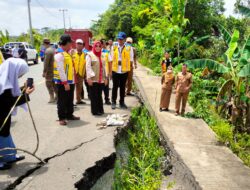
(96, 77)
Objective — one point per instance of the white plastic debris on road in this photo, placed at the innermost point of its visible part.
(114, 120)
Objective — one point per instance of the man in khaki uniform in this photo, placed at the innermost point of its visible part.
(182, 86)
(48, 70)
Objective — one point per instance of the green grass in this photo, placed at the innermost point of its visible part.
(142, 169)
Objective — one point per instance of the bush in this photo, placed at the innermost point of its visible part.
(195, 51)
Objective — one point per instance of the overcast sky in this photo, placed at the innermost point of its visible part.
(14, 14)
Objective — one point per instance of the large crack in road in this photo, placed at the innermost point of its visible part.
(39, 165)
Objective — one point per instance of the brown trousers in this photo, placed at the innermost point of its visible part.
(79, 86)
(51, 86)
(129, 80)
(165, 97)
(181, 98)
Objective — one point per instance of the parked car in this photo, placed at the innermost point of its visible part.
(6, 53)
(31, 51)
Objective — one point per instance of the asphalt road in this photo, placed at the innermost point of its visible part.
(62, 171)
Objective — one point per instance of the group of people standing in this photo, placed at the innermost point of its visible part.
(181, 83)
(70, 68)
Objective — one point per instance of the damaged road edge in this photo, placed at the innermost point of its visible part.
(92, 174)
(39, 165)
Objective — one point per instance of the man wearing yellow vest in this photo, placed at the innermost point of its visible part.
(64, 78)
(1, 58)
(121, 58)
(80, 69)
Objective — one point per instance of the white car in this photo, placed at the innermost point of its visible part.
(31, 51)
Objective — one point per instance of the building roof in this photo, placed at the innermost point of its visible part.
(77, 30)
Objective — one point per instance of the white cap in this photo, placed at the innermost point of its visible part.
(79, 41)
(129, 39)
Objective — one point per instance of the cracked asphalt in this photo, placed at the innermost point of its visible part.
(69, 150)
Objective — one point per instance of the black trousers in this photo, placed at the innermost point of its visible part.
(106, 92)
(6, 102)
(119, 81)
(96, 98)
(87, 87)
(65, 106)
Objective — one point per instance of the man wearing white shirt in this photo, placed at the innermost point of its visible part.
(120, 59)
(64, 77)
(15, 51)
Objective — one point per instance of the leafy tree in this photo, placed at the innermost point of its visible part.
(202, 15)
(241, 3)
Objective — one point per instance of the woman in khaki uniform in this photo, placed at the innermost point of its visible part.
(167, 82)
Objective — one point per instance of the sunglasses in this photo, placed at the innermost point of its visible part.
(79, 43)
(98, 46)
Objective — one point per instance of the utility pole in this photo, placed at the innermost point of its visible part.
(30, 24)
(70, 23)
(63, 11)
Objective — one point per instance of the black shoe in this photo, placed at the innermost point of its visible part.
(98, 114)
(166, 109)
(160, 109)
(73, 118)
(123, 106)
(5, 166)
(16, 160)
(130, 94)
(107, 102)
(113, 106)
(81, 102)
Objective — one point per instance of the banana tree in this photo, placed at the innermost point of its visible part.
(231, 99)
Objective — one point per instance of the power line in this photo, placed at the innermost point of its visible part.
(47, 10)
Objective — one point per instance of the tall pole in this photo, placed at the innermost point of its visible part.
(70, 22)
(30, 24)
(63, 11)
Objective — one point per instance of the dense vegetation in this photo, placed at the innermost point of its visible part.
(216, 48)
(140, 167)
